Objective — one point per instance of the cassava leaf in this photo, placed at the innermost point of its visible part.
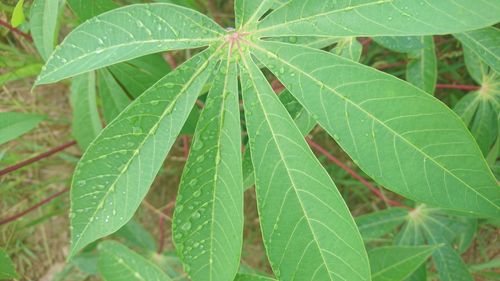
(43, 23)
(485, 43)
(477, 69)
(395, 263)
(349, 48)
(119, 263)
(249, 277)
(378, 17)
(248, 12)
(421, 69)
(15, 124)
(401, 44)
(18, 17)
(424, 153)
(308, 231)
(87, 9)
(126, 33)
(117, 169)
(375, 225)
(86, 123)
(114, 99)
(208, 218)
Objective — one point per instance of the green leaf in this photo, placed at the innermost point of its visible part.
(18, 14)
(127, 33)
(7, 269)
(87, 9)
(477, 69)
(485, 43)
(20, 73)
(43, 23)
(424, 153)
(208, 218)
(137, 75)
(374, 225)
(307, 229)
(118, 168)
(114, 98)
(15, 124)
(248, 12)
(249, 277)
(86, 123)
(479, 111)
(400, 44)
(118, 263)
(421, 69)
(379, 17)
(349, 48)
(134, 234)
(396, 263)
(448, 262)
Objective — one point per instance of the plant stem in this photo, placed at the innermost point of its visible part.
(36, 158)
(34, 207)
(458, 87)
(15, 30)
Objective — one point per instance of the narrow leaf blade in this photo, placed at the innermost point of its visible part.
(208, 218)
(15, 124)
(43, 23)
(118, 168)
(485, 43)
(421, 69)
(308, 231)
(126, 33)
(424, 152)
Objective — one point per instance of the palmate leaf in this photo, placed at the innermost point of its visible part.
(485, 43)
(126, 33)
(118, 168)
(378, 17)
(208, 218)
(395, 263)
(119, 263)
(424, 153)
(308, 231)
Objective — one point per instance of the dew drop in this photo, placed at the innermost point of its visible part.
(292, 39)
(197, 193)
(196, 215)
(186, 226)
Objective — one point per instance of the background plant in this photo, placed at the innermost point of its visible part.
(424, 153)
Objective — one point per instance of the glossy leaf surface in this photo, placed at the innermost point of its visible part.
(308, 231)
(117, 170)
(424, 153)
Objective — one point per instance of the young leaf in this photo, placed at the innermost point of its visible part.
(248, 12)
(7, 269)
(126, 33)
(117, 169)
(308, 231)
(397, 262)
(421, 69)
(43, 22)
(119, 263)
(378, 17)
(208, 218)
(18, 14)
(15, 124)
(375, 225)
(425, 153)
(134, 234)
(114, 98)
(485, 43)
(86, 124)
(448, 262)
(477, 69)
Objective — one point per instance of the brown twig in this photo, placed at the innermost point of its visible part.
(34, 207)
(15, 30)
(353, 173)
(36, 158)
(458, 87)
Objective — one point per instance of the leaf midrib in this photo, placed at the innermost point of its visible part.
(287, 169)
(141, 144)
(320, 15)
(375, 119)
